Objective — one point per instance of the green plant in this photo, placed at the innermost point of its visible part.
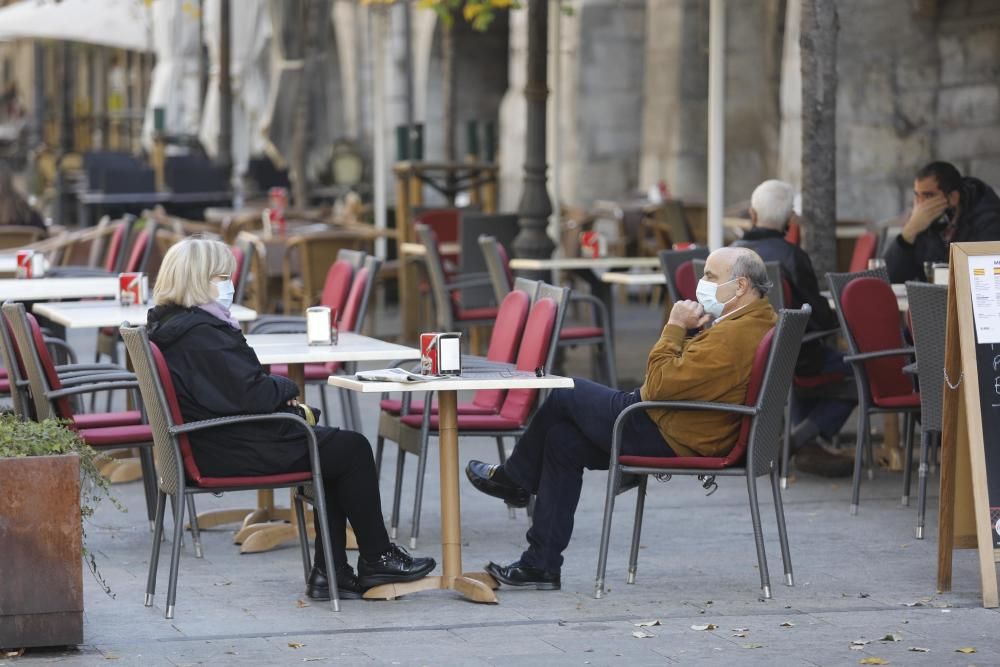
(53, 437)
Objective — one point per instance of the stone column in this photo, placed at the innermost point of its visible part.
(535, 207)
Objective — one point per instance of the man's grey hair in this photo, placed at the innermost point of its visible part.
(773, 201)
(749, 265)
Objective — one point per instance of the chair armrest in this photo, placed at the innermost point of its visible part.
(616, 433)
(865, 356)
(52, 341)
(819, 335)
(94, 378)
(599, 309)
(70, 368)
(190, 427)
(91, 388)
(278, 324)
(472, 280)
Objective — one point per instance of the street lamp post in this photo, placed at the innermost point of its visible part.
(535, 207)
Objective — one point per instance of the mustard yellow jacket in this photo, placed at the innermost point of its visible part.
(711, 366)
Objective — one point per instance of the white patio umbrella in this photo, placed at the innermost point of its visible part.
(122, 24)
(175, 86)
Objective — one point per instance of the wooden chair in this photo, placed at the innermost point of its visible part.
(179, 478)
(17, 236)
(755, 453)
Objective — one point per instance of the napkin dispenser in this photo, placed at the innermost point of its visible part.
(320, 329)
(441, 354)
(30, 264)
(133, 289)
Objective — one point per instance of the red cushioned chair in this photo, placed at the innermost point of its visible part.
(596, 334)
(794, 234)
(865, 249)
(869, 317)
(755, 453)
(50, 397)
(535, 350)
(178, 475)
(679, 272)
(352, 314)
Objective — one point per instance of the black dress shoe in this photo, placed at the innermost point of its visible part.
(393, 566)
(348, 587)
(517, 574)
(481, 476)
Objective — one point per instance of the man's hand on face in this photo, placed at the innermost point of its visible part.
(924, 213)
(688, 315)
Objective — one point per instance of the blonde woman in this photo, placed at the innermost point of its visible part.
(216, 374)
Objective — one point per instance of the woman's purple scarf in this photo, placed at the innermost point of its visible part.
(216, 309)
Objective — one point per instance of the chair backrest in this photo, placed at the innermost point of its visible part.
(434, 264)
(837, 282)
(505, 339)
(497, 266)
(794, 233)
(254, 287)
(114, 255)
(444, 222)
(316, 252)
(172, 457)
(529, 287)
(15, 236)
(337, 286)
(671, 262)
(16, 377)
(561, 296)
(356, 306)
(37, 363)
(768, 391)
(533, 353)
(243, 252)
(871, 314)
(928, 312)
(356, 258)
(670, 225)
(141, 250)
(865, 248)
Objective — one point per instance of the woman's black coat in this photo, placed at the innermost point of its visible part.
(216, 374)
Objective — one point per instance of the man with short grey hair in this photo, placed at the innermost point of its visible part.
(823, 411)
(572, 430)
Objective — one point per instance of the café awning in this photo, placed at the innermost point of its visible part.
(123, 24)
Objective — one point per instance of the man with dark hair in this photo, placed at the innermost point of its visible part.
(947, 207)
(572, 430)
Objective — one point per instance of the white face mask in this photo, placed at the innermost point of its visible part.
(226, 291)
(706, 293)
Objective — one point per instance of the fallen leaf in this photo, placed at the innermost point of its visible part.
(753, 646)
(857, 647)
(646, 624)
(741, 635)
(891, 638)
(707, 626)
(295, 645)
(787, 624)
(873, 661)
(301, 603)
(919, 649)
(642, 634)
(740, 629)
(861, 642)
(864, 595)
(223, 583)
(965, 649)
(14, 654)
(111, 656)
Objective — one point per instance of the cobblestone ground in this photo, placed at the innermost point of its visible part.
(864, 588)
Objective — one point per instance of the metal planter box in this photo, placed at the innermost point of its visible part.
(41, 570)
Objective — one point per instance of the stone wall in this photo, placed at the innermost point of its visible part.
(918, 82)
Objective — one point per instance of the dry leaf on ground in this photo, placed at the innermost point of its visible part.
(706, 626)
(646, 624)
(753, 646)
(787, 624)
(891, 638)
(295, 645)
(873, 661)
(965, 649)
(919, 649)
(642, 634)
(301, 603)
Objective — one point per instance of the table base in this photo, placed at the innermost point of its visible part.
(475, 586)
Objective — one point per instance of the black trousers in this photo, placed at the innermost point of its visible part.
(571, 432)
(350, 490)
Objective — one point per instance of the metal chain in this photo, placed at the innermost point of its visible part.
(948, 382)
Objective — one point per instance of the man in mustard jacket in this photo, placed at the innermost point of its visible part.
(572, 430)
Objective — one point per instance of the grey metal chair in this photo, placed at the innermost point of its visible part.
(928, 312)
(449, 316)
(671, 260)
(755, 454)
(867, 405)
(596, 334)
(173, 468)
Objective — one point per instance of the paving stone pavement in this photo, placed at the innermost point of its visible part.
(855, 581)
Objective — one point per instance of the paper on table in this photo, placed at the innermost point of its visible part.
(395, 375)
(984, 277)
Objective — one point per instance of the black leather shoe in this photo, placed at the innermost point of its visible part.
(516, 574)
(394, 566)
(348, 587)
(480, 474)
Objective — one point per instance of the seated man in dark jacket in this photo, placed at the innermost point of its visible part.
(821, 412)
(946, 208)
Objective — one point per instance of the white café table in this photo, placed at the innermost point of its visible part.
(45, 289)
(99, 314)
(476, 586)
(257, 533)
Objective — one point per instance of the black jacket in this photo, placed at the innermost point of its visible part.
(797, 269)
(216, 374)
(978, 221)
